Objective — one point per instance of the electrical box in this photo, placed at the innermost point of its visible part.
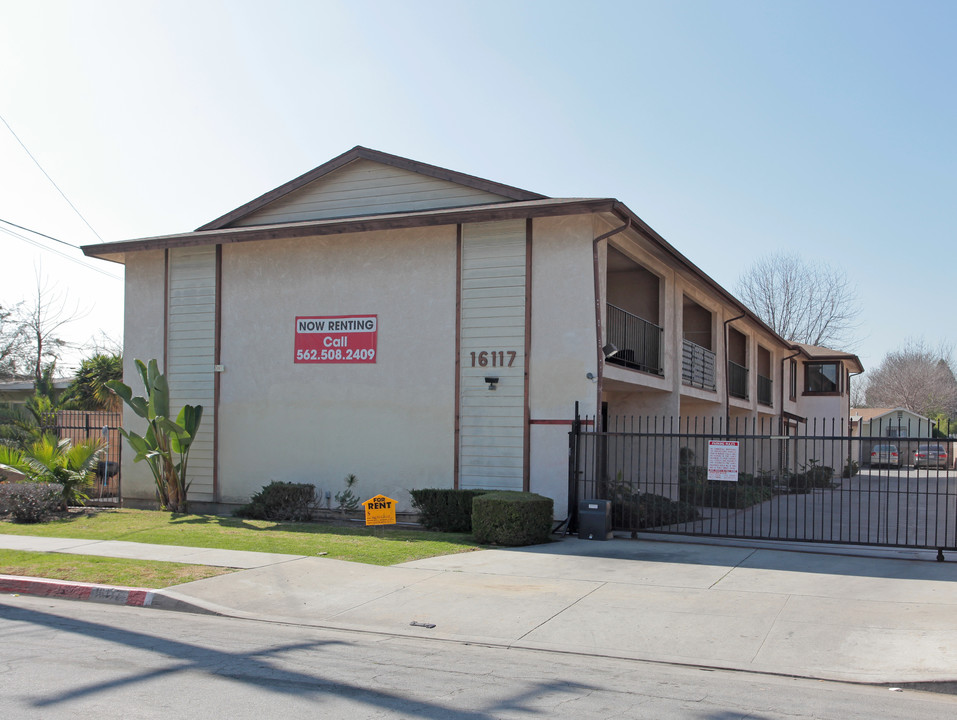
(594, 520)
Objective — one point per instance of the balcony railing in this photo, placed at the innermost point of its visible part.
(697, 366)
(737, 380)
(765, 390)
(638, 341)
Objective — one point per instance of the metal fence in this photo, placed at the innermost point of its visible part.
(780, 480)
(79, 425)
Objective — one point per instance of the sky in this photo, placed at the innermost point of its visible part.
(733, 128)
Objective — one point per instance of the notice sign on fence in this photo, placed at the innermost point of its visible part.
(336, 339)
(723, 460)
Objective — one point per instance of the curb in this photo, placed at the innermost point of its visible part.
(136, 597)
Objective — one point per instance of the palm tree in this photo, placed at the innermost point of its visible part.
(89, 391)
(51, 460)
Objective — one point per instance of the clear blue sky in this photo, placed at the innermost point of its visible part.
(733, 128)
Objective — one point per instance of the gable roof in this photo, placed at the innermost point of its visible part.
(497, 192)
(869, 414)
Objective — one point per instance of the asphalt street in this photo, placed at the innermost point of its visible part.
(64, 659)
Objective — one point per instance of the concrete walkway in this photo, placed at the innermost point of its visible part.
(875, 617)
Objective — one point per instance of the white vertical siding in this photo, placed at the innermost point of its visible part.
(365, 187)
(492, 422)
(190, 353)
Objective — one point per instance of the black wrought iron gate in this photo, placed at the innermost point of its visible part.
(774, 479)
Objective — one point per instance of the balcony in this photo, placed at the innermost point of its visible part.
(765, 391)
(638, 341)
(737, 380)
(697, 366)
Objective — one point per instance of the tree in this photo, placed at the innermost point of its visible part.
(12, 343)
(917, 378)
(89, 389)
(56, 461)
(40, 321)
(166, 445)
(806, 302)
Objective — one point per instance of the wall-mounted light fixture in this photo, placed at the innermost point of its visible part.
(609, 350)
(492, 382)
(590, 376)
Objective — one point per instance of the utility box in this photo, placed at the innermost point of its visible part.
(594, 520)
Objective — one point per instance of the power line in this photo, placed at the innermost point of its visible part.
(37, 232)
(57, 252)
(37, 163)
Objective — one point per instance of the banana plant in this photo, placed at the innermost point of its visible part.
(166, 444)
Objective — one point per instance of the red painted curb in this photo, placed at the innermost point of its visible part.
(139, 597)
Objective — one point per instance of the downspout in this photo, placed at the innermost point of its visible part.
(598, 327)
(727, 384)
(783, 360)
(850, 430)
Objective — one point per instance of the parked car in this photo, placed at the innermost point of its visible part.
(930, 456)
(885, 455)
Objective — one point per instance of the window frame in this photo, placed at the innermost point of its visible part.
(838, 382)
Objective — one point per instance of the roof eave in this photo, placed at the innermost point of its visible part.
(368, 223)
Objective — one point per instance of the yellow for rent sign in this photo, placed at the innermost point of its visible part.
(380, 510)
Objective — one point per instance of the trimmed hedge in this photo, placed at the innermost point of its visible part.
(445, 510)
(30, 502)
(512, 518)
(282, 501)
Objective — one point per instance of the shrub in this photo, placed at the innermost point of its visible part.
(347, 499)
(512, 518)
(721, 494)
(59, 461)
(657, 511)
(814, 477)
(30, 502)
(283, 501)
(850, 469)
(444, 509)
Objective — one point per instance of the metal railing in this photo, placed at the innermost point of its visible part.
(737, 380)
(80, 425)
(638, 341)
(765, 391)
(768, 479)
(697, 366)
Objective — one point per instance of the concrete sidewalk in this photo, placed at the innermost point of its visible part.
(886, 617)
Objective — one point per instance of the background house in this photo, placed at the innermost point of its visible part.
(420, 327)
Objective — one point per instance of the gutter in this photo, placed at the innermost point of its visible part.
(789, 357)
(598, 325)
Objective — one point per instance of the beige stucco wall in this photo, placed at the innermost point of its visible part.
(563, 349)
(390, 423)
(143, 335)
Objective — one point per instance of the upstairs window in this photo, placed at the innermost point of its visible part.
(822, 377)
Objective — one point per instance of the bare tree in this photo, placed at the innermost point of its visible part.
(41, 320)
(806, 302)
(11, 343)
(915, 377)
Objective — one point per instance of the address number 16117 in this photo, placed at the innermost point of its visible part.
(493, 358)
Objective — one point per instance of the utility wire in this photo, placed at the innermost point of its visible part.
(57, 252)
(37, 232)
(37, 163)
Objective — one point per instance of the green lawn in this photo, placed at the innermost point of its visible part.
(102, 570)
(375, 546)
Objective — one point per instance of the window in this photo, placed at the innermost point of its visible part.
(822, 377)
(794, 380)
